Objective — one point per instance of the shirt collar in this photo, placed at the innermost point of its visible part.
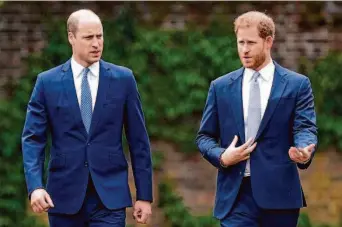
(266, 73)
(77, 69)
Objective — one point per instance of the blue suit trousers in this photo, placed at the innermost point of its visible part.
(92, 213)
(246, 213)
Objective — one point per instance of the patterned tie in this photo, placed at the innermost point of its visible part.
(254, 112)
(86, 101)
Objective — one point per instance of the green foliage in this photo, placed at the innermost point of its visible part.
(13, 195)
(179, 216)
(176, 212)
(327, 87)
(304, 221)
(157, 160)
(173, 70)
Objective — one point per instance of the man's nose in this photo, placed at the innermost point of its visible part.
(245, 49)
(95, 43)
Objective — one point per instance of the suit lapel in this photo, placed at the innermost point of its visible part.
(104, 84)
(278, 87)
(70, 91)
(235, 89)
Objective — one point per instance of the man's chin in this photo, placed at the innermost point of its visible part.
(248, 65)
(94, 59)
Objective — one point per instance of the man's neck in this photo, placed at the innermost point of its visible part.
(83, 63)
(266, 62)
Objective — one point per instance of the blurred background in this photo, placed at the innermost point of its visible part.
(175, 49)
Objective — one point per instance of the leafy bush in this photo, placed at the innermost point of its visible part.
(13, 195)
(172, 68)
(179, 215)
(327, 87)
(176, 212)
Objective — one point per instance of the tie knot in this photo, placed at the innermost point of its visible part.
(255, 76)
(85, 72)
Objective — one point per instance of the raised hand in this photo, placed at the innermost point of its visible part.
(301, 155)
(233, 155)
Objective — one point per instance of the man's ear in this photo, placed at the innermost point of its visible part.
(71, 38)
(269, 41)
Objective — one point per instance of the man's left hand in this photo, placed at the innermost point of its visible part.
(301, 155)
(142, 211)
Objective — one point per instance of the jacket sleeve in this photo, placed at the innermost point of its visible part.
(138, 142)
(305, 129)
(208, 134)
(34, 138)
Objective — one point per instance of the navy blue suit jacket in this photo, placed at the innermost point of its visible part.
(289, 120)
(74, 154)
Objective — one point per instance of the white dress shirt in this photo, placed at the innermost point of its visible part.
(265, 81)
(93, 79)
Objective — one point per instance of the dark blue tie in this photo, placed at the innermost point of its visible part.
(86, 100)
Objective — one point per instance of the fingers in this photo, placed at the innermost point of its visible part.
(246, 157)
(311, 147)
(296, 159)
(291, 154)
(294, 153)
(299, 155)
(142, 212)
(43, 204)
(307, 150)
(140, 218)
(233, 143)
(37, 206)
(41, 201)
(249, 149)
(49, 200)
(303, 154)
(136, 214)
(247, 144)
(244, 146)
(144, 217)
(35, 209)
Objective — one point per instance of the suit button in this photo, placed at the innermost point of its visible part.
(240, 173)
(88, 144)
(86, 164)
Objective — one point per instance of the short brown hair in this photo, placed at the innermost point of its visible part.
(263, 22)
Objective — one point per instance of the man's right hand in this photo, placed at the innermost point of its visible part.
(233, 155)
(40, 201)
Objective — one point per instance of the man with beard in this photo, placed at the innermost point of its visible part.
(85, 103)
(258, 126)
